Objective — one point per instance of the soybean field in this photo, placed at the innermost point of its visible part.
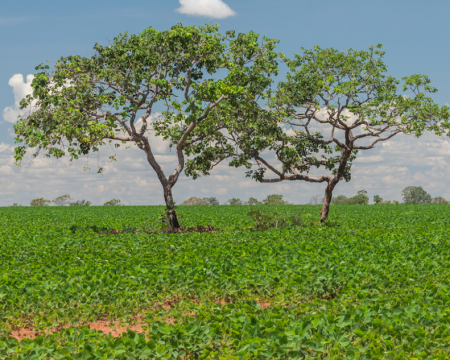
(372, 283)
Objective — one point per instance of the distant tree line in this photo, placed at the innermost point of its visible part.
(410, 195)
(273, 199)
(66, 200)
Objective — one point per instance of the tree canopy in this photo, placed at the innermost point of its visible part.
(84, 102)
(194, 201)
(331, 106)
(274, 199)
(62, 200)
(416, 195)
(113, 202)
(40, 202)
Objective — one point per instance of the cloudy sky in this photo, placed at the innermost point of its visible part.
(414, 35)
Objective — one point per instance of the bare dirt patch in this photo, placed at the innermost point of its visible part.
(117, 328)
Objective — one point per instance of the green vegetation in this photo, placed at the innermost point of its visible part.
(416, 195)
(194, 201)
(274, 200)
(439, 200)
(81, 203)
(373, 284)
(62, 200)
(113, 202)
(40, 202)
(360, 199)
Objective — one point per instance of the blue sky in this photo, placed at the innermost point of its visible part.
(414, 35)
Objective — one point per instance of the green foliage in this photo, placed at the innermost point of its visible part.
(15, 204)
(322, 89)
(88, 101)
(274, 199)
(62, 200)
(262, 220)
(234, 201)
(339, 200)
(39, 202)
(360, 199)
(211, 200)
(375, 287)
(268, 219)
(377, 199)
(194, 201)
(113, 202)
(83, 103)
(439, 200)
(252, 201)
(416, 195)
(81, 203)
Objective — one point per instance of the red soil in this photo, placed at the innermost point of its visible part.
(114, 327)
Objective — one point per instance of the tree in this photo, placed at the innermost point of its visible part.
(15, 205)
(234, 201)
(80, 203)
(194, 201)
(439, 200)
(345, 95)
(252, 201)
(415, 195)
(339, 200)
(316, 199)
(113, 202)
(377, 199)
(274, 199)
(84, 102)
(39, 202)
(360, 199)
(62, 200)
(211, 200)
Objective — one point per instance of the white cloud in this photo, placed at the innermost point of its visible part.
(21, 89)
(6, 147)
(369, 159)
(210, 8)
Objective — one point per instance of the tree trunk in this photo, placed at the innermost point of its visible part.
(329, 190)
(327, 201)
(171, 214)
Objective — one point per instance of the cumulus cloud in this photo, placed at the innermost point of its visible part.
(369, 159)
(210, 8)
(21, 89)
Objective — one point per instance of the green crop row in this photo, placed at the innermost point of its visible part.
(374, 284)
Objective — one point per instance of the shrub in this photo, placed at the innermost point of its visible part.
(62, 200)
(39, 202)
(234, 201)
(274, 199)
(80, 203)
(194, 201)
(113, 202)
(439, 200)
(211, 201)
